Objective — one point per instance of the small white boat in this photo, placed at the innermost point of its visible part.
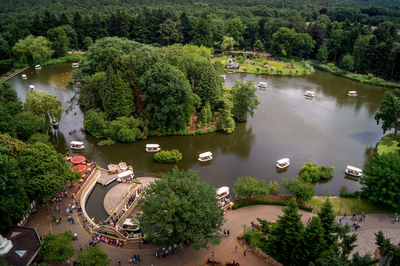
(32, 87)
(222, 192)
(353, 171)
(352, 93)
(77, 145)
(24, 76)
(75, 64)
(223, 76)
(125, 176)
(54, 123)
(309, 94)
(262, 85)
(283, 163)
(38, 67)
(153, 147)
(205, 156)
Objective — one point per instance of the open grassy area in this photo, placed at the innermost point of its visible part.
(388, 144)
(275, 67)
(349, 206)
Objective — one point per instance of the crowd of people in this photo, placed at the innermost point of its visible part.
(224, 202)
(172, 249)
(135, 260)
(356, 220)
(116, 217)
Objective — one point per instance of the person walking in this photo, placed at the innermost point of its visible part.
(212, 254)
(245, 251)
(236, 249)
(227, 232)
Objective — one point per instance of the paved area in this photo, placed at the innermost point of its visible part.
(146, 181)
(106, 178)
(114, 197)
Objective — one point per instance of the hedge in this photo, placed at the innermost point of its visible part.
(267, 202)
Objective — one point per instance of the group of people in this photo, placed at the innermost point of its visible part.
(226, 232)
(355, 219)
(135, 260)
(61, 195)
(224, 202)
(164, 252)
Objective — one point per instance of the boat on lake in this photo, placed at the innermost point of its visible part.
(75, 64)
(205, 156)
(352, 93)
(32, 87)
(222, 192)
(77, 145)
(37, 67)
(309, 94)
(283, 163)
(262, 85)
(223, 198)
(153, 147)
(23, 76)
(125, 176)
(353, 171)
(54, 123)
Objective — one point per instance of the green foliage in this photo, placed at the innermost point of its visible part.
(347, 62)
(170, 32)
(313, 239)
(273, 188)
(180, 207)
(323, 53)
(303, 191)
(266, 202)
(313, 173)
(205, 114)
(389, 112)
(286, 42)
(33, 49)
(106, 142)
(87, 42)
(227, 43)
(390, 252)
(381, 180)
(244, 100)
(95, 123)
(245, 187)
(57, 248)
(165, 156)
(59, 41)
(93, 256)
(26, 124)
(328, 222)
(13, 145)
(39, 137)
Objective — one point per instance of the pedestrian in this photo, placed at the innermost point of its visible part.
(119, 262)
(212, 254)
(57, 209)
(340, 221)
(236, 249)
(344, 216)
(224, 232)
(227, 232)
(354, 217)
(80, 247)
(245, 251)
(72, 220)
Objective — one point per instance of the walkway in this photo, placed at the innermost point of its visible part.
(10, 74)
(114, 197)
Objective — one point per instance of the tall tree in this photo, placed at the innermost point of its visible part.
(202, 34)
(180, 207)
(170, 32)
(186, 28)
(33, 49)
(247, 186)
(389, 112)
(59, 40)
(245, 100)
(314, 242)
(327, 218)
(57, 248)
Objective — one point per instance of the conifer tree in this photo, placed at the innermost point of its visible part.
(314, 243)
(328, 221)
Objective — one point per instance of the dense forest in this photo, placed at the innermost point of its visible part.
(360, 36)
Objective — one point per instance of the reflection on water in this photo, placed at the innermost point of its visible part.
(332, 129)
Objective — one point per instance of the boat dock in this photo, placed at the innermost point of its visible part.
(10, 74)
(105, 178)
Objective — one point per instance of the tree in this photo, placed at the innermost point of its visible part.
(323, 53)
(33, 49)
(381, 180)
(205, 114)
(72, 37)
(87, 42)
(282, 40)
(59, 40)
(314, 242)
(57, 248)
(227, 43)
(347, 63)
(167, 97)
(226, 123)
(244, 100)
(170, 32)
(327, 218)
(303, 191)
(202, 34)
(186, 28)
(273, 188)
(180, 207)
(44, 171)
(313, 173)
(235, 29)
(43, 105)
(247, 186)
(389, 252)
(95, 123)
(259, 46)
(26, 124)
(302, 45)
(5, 50)
(389, 112)
(285, 240)
(93, 256)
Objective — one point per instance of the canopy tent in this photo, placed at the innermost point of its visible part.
(78, 159)
(80, 168)
(205, 154)
(125, 174)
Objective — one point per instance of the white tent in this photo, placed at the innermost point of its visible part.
(125, 174)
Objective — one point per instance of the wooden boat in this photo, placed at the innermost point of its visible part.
(24, 76)
(352, 93)
(283, 163)
(32, 87)
(125, 176)
(37, 67)
(222, 192)
(75, 64)
(205, 156)
(353, 171)
(223, 198)
(77, 145)
(262, 85)
(309, 94)
(153, 147)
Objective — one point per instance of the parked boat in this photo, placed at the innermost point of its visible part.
(352, 93)
(54, 123)
(205, 156)
(75, 64)
(24, 76)
(32, 87)
(125, 176)
(353, 171)
(309, 94)
(283, 163)
(77, 145)
(38, 67)
(223, 198)
(223, 76)
(262, 85)
(153, 147)
(222, 192)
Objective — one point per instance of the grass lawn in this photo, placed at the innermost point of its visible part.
(387, 144)
(350, 206)
(292, 68)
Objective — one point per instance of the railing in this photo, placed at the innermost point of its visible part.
(130, 208)
(84, 193)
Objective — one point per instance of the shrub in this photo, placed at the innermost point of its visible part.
(273, 188)
(106, 142)
(166, 156)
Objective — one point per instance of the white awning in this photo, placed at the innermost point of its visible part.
(128, 222)
(355, 169)
(152, 145)
(205, 154)
(282, 161)
(125, 174)
(222, 190)
(76, 142)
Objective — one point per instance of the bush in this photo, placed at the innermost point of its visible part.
(106, 142)
(313, 173)
(354, 194)
(273, 188)
(172, 156)
(267, 202)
